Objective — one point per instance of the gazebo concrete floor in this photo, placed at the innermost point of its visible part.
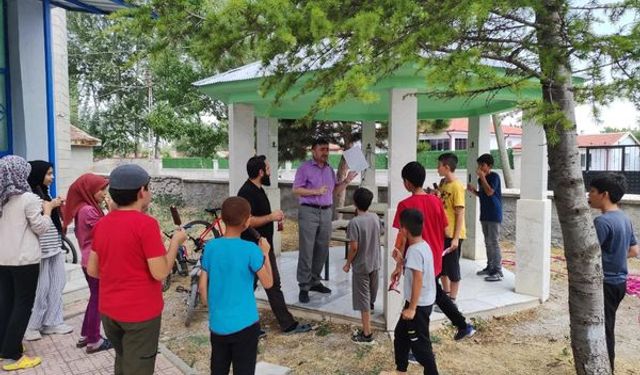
(477, 298)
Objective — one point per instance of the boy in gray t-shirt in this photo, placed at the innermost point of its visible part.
(363, 233)
(412, 330)
(617, 242)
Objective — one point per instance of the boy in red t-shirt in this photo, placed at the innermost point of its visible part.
(434, 225)
(129, 258)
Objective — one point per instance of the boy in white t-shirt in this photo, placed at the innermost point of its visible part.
(412, 330)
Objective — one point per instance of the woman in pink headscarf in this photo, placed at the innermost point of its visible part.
(84, 200)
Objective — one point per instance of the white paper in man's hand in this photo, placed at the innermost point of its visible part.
(355, 159)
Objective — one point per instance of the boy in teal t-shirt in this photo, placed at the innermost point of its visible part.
(229, 266)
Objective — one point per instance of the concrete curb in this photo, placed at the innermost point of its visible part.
(176, 361)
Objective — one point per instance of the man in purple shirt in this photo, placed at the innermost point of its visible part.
(315, 184)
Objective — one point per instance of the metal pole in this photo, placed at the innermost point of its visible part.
(48, 61)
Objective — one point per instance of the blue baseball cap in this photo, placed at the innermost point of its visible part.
(128, 177)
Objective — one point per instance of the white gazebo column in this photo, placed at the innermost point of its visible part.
(478, 143)
(403, 124)
(241, 144)
(369, 149)
(533, 216)
(267, 145)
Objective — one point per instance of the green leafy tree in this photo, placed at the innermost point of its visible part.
(537, 44)
(129, 94)
(634, 131)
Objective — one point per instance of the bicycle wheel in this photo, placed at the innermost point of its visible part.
(192, 302)
(166, 283)
(194, 243)
(70, 253)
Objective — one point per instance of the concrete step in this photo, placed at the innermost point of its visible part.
(76, 288)
(265, 368)
(73, 271)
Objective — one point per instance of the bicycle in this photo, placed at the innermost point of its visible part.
(70, 253)
(193, 250)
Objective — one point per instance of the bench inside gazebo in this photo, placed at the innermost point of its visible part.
(253, 128)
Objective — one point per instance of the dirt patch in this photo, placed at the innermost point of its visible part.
(535, 341)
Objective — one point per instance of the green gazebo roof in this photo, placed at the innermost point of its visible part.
(242, 85)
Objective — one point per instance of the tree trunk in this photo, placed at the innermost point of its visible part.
(582, 250)
(156, 148)
(504, 158)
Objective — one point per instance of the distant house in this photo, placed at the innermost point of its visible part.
(82, 145)
(606, 152)
(455, 136)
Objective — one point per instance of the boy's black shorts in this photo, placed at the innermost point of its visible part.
(451, 262)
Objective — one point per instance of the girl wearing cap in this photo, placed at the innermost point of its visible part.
(84, 200)
(46, 317)
(23, 217)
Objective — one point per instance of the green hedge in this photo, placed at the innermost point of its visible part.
(429, 159)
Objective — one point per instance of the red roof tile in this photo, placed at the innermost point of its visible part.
(81, 138)
(606, 139)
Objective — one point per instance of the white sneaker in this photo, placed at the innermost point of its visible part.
(61, 329)
(32, 335)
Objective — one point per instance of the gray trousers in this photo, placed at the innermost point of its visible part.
(314, 233)
(47, 308)
(491, 231)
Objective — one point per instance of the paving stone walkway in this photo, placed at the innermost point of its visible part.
(61, 357)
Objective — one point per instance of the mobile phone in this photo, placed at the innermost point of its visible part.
(175, 215)
(254, 233)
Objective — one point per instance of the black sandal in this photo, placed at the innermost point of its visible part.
(106, 345)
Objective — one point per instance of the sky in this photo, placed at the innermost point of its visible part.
(620, 114)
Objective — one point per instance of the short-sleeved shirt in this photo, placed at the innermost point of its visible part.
(365, 230)
(85, 220)
(615, 234)
(50, 242)
(124, 241)
(434, 224)
(491, 206)
(420, 258)
(453, 195)
(231, 264)
(260, 206)
(310, 175)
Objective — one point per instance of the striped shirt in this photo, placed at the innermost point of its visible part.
(51, 242)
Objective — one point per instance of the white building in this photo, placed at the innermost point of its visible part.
(607, 152)
(34, 99)
(456, 135)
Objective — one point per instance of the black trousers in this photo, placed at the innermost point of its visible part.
(414, 335)
(239, 349)
(613, 295)
(276, 298)
(448, 307)
(17, 293)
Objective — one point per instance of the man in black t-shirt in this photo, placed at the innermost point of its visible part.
(262, 220)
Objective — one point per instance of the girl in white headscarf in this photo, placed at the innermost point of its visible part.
(23, 217)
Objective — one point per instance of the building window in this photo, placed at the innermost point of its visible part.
(461, 143)
(583, 161)
(4, 79)
(439, 144)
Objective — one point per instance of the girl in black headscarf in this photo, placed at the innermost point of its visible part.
(46, 317)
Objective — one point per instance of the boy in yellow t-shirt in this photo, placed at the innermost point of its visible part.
(452, 193)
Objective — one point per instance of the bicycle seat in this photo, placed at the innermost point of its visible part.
(213, 211)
